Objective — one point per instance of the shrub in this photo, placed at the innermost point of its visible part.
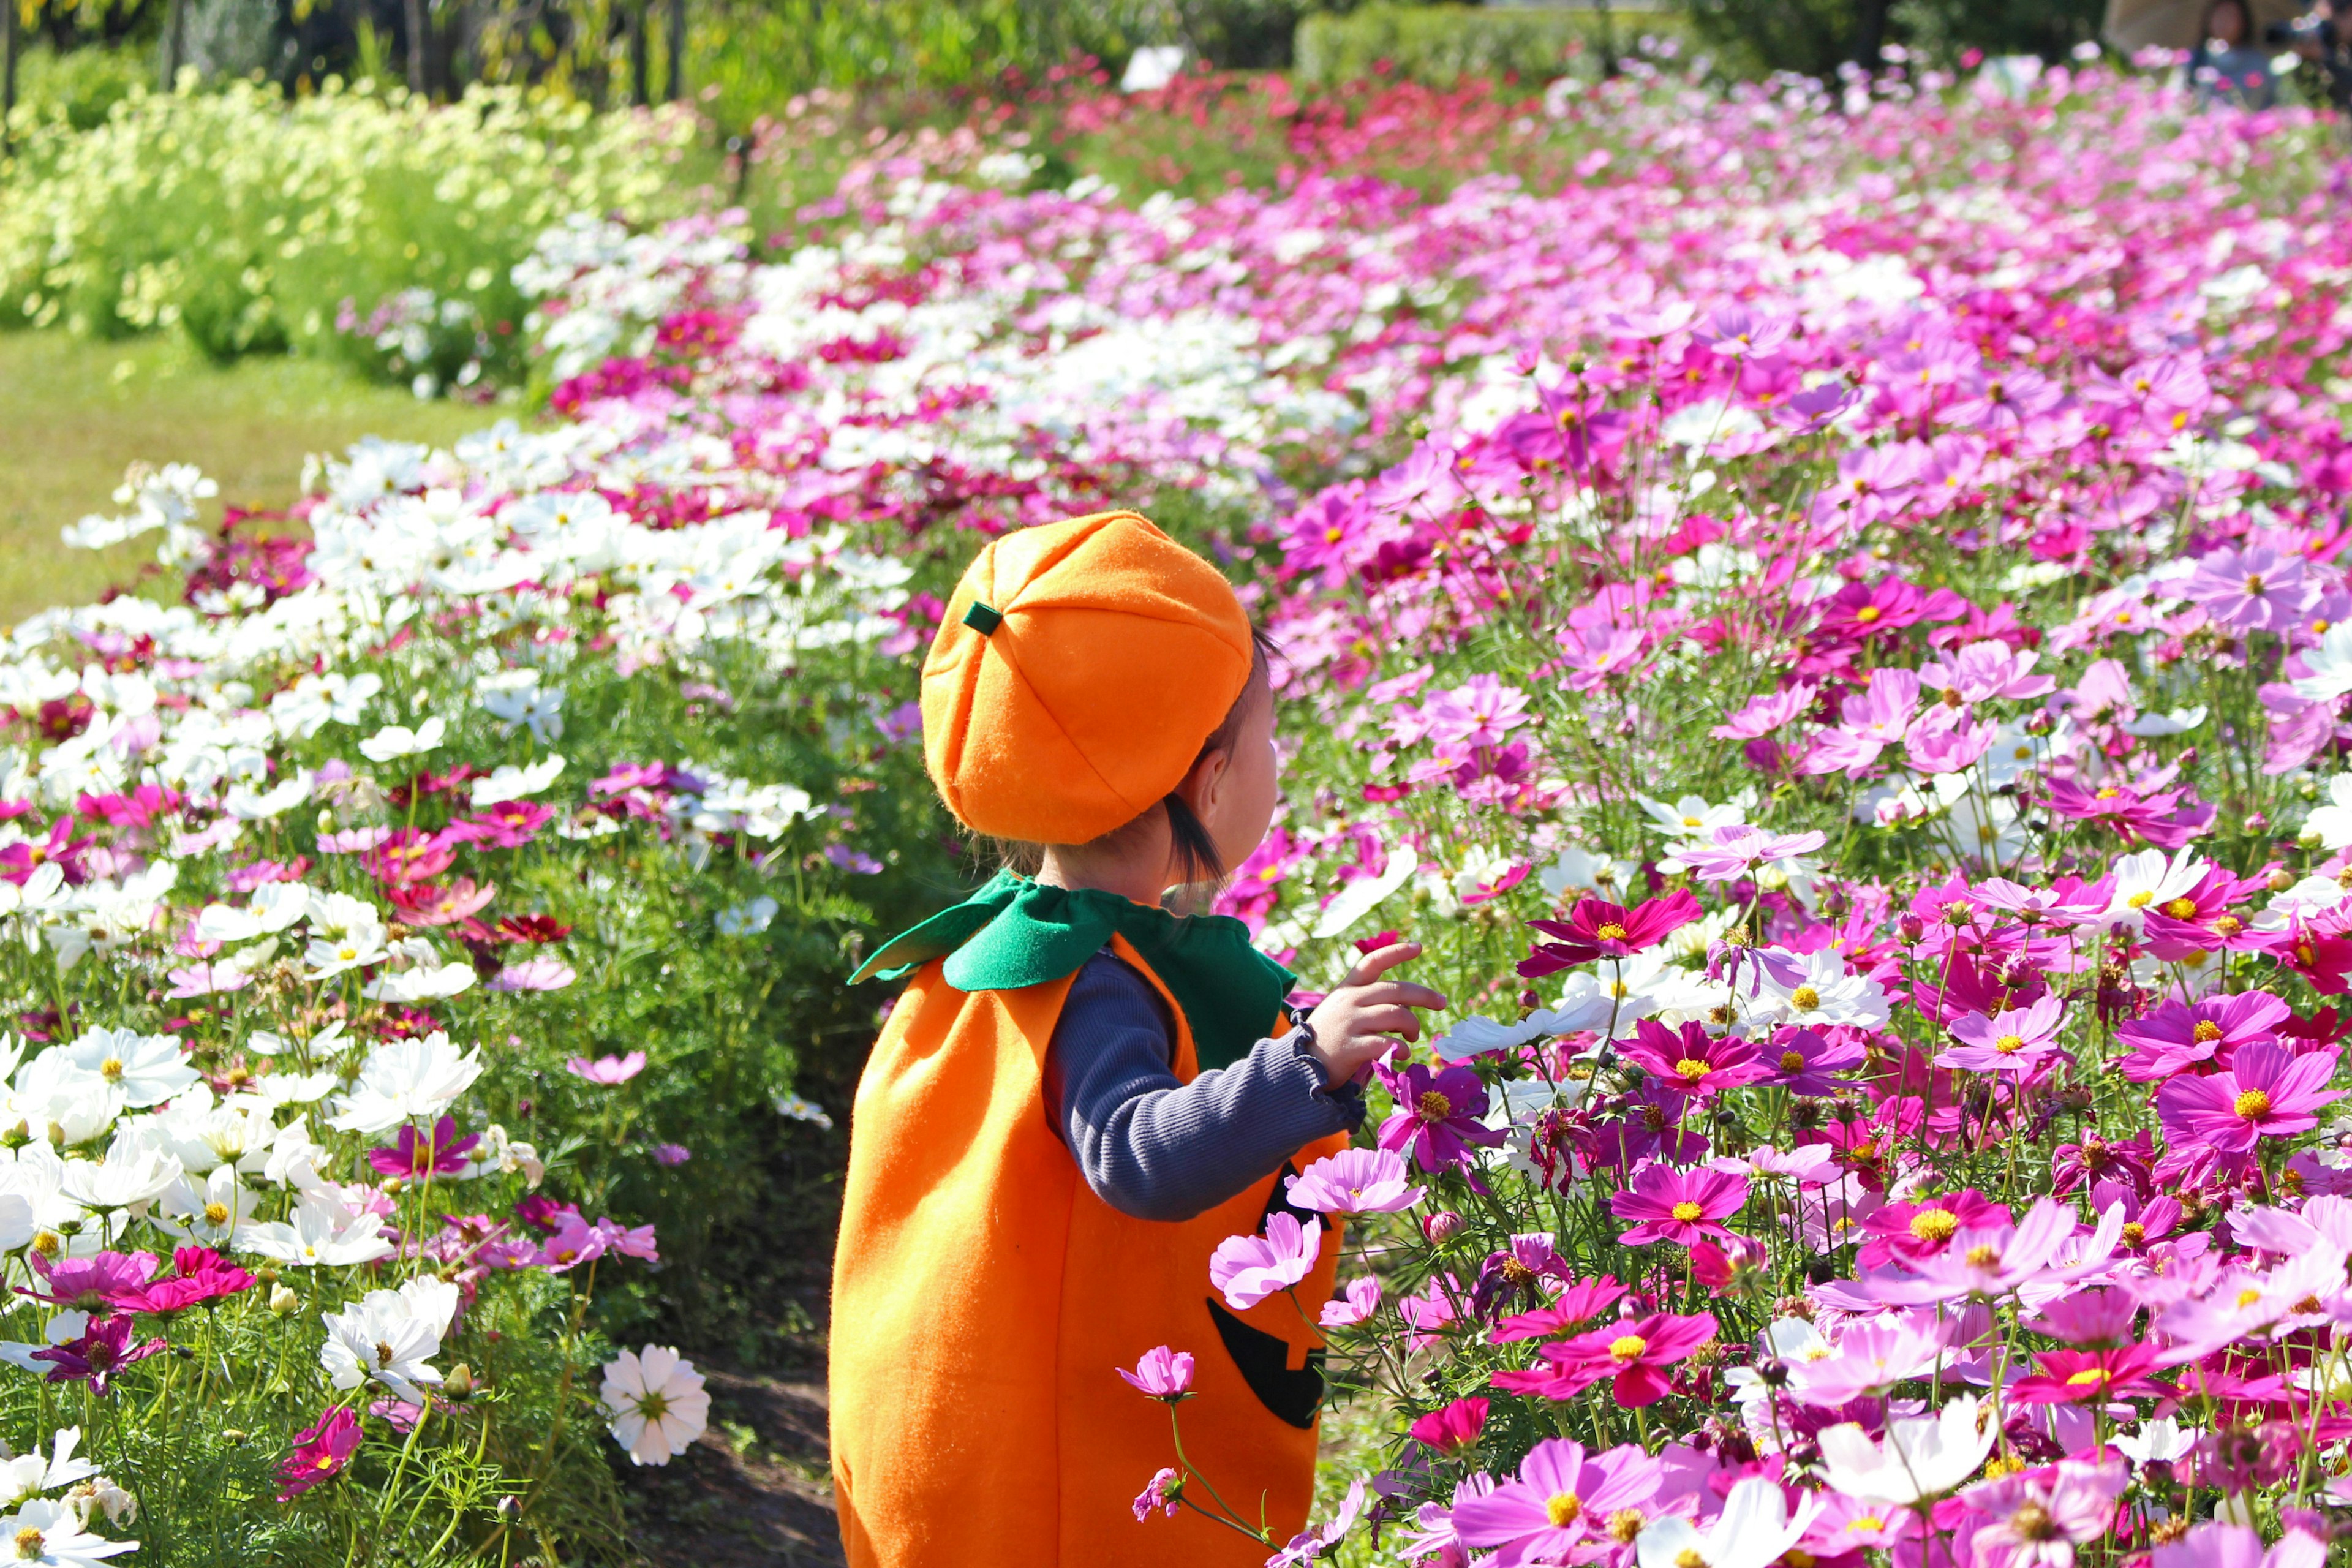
(1444, 44)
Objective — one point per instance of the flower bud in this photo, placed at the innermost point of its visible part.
(459, 1383)
(1442, 1226)
(1911, 928)
(282, 1300)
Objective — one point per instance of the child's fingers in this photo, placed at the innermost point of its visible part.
(1400, 993)
(1391, 1020)
(1378, 961)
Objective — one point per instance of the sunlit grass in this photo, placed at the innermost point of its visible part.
(75, 413)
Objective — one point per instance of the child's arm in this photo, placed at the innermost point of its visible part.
(1157, 1149)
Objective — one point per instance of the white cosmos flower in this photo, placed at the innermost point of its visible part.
(2330, 825)
(425, 983)
(1922, 1458)
(1822, 994)
(2147, 880)
(526, 703)
(45, 1534)
(321, 1233)
(246, 806)
(337, 955)
(404, 1079)
(1753, 1530)
(745, 919)
(511, 782)
(2330, 665)
(331, 913)
(30, 1473)
(132, 1172)
(1479, 1033)
(135, 1071)
(2159, 1439)
(1692, 818)
(399, 740)
(657, 1403)
(208, 1211)
(1361, 897)
(391, 1336)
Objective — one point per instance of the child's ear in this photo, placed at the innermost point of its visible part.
(1206, 781)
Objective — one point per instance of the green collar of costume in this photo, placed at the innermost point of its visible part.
(1015, 933)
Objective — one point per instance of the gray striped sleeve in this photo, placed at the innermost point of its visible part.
(1160, 1150)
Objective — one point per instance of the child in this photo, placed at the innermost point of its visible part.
(1073, 1101)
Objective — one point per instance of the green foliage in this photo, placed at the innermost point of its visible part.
(1442, 44)
(1943, 28)
(1815, 37)
(1752, 38)
(78, 86)
(251, 224)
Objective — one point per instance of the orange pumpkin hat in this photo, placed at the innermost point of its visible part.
(1079, 670)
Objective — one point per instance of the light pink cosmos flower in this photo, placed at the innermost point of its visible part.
(2252, 590)
(1736, 331)
(1734, 852)
(607, 1069)
(1353, 1306)
(2013, 1040)
(1162, 1373)
(1354, 1181)
(1249, 1269)
(2037, 1517)
(1870, 1357)
(2214, 1545)
(1480, 712)
(1559, 1503)
(534, 974)
(1762, 715)
(1984, 671)
(1998, 1261)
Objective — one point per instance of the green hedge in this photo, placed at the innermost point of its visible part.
(1441, 44)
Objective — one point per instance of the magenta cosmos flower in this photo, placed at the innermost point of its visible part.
(1680, 1207)
(1690, 1062)
(2267, 1093)
(442, 1154)
(1438, 1114)
(1598, 930)
(320, 1451)
(1561, 1503)
(2179, 1035)
(1249, 1269)
(2013, 1040)
(104, 1349)
(91, 1284)
(1451, 1429)
(1162, 1373)
(1354, 1181)
(1632, 1353)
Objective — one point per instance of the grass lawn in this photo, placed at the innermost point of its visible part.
(74, 415)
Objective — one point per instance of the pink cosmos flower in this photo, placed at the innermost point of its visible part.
(1161, 1492)
(1309, 1545)
(442, 1154)
(320, 1451)
(1560, 1504)
(1249, 1269)
(1987, 671)
(1597, 929)
(92, 1284)
(1354, 1181)
(2252, 590)
(1439, 1115)
(1482, 712)
(105, 1348)
(1680, 1207)
(1162, 1374)
(1579, 1304)
(1632, 1353)
(2092, 1377)
(1806, 1063)
(672, 1153)
(534, 974)
(1996, 1261)
(2266, 1093)
(1453, 1428)
(2214, 1545)
(2178, 1036)
(1355, 1305)
(2014, 1040)
(1736, 851)
(1738, 331)
(607, 1069)
(2037, 1517)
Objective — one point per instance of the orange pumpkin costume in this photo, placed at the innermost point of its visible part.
(983, 1296)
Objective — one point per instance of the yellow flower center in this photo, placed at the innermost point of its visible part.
(1935, 1224)
(2228, 925)
(216, 1214)
(1867, 614)
(1627, 1347)
(2253, 1105)
(1690, 1071)
(1612, 931)
(2109, 792)
(2089, 1377)
(111, 1069)
(1983, 1255)
(1866, 1521)
(1517, 1273)
(1804, 998)
(30, 1543)
(2206, 1032)
(2141, 899)
(1688, 1557)
(2248, 1297)
(2032, 1522)
(1792, 1061)
(1625, 1524)
(2134, 1233)
(2010, 1045)
(1564, 1509)
(1434, 1106)
(1686, 1212)
(2181, 909)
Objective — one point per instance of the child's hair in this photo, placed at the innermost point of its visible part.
(1191, 846)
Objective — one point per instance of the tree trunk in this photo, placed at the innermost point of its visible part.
(176, 38)
(419, 31)
(677, 51)
(1869, 33)
(641, 48)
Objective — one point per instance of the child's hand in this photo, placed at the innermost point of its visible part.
(1364, 1018)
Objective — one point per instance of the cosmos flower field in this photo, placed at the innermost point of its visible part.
(1826, 625)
